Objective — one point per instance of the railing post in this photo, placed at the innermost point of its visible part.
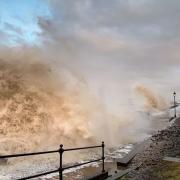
(103, 157)
(61, 150)
(174, 94)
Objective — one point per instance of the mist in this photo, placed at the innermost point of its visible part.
(89, 75)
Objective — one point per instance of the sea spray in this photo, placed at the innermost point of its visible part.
(152, 100)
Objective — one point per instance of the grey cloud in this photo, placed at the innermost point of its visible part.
(3, 37)
(130, 17)
(115, 41)
(13, 28)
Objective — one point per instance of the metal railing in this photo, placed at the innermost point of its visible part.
(61, 150)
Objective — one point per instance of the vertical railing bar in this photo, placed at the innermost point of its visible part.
(103, 157)
(61, 150)
(174, 94)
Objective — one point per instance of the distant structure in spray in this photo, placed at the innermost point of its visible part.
(152, 100)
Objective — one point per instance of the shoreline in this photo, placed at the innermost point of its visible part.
(164, 143)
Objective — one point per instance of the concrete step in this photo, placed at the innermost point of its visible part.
(171, 159)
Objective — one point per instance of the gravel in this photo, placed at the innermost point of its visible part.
(165, 143)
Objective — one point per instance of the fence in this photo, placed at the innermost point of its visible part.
(61, 150)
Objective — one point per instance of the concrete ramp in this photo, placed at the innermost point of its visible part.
(122, 173)
(137, 149)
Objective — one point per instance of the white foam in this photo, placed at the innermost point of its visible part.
(4, 177)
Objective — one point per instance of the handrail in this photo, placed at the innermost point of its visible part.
(28, 154)
(90, 147)
(61, 168)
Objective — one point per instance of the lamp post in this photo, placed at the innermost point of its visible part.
(174, 95)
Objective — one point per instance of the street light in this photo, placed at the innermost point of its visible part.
(174, 95)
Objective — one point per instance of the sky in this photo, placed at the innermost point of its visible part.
(19, 20)
(112, 45)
